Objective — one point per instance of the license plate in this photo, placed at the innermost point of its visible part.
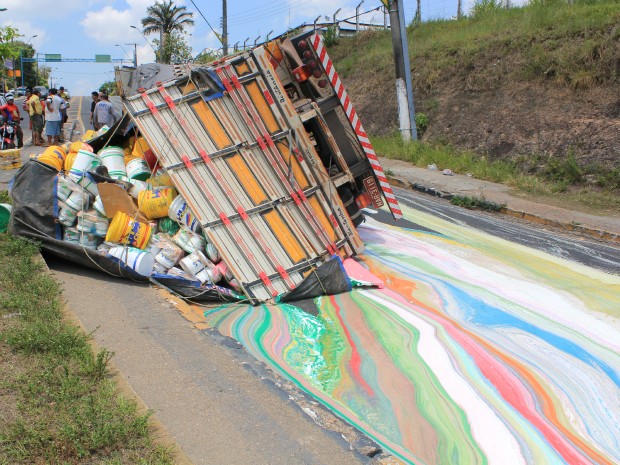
(373, 191)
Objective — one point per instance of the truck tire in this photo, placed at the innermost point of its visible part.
(353, 211)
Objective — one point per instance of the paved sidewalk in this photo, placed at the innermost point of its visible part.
(434, 182)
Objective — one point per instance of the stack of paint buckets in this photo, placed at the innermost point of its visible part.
(170, 242)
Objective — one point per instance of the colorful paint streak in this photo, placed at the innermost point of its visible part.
(476, 351)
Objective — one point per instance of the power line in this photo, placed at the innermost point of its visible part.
(269, 11)
(206, 21)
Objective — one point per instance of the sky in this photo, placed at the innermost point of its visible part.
(85, 28)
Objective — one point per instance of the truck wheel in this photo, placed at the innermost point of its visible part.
(348, 200)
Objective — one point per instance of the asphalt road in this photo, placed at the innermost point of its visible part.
(585, 250)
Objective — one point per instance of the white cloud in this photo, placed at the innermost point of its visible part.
(27, 30)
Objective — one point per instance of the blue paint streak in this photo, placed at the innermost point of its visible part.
(481, 313)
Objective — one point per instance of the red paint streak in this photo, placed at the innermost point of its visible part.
(509, 386)
(356, 361)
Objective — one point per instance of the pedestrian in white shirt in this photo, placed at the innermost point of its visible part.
(53, 116)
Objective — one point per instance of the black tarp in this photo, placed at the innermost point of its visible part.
(34, 216)
(328, 279)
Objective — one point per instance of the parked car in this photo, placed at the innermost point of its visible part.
(43, 89)
(20, 91)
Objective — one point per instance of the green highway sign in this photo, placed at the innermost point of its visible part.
(53, 57)
(103, 59)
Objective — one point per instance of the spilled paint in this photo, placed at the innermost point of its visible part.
(476, 350)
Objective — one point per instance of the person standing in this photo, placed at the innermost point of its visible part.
(54, 117)
(104, 113)
(12, 113)
(35, 109)
(63, 111)
(95, 96)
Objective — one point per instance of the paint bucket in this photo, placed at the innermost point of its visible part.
(105, 247)
(98, 205)
(90, 222)
(5, 215)
(84, 161)
(125, 230)
(224, 270)
(138, 260)
(113, 158)
(53, 156)
(155, 204)
(142, 150)
(212, 253)
(158, 268)
(78, 200)
(138, 169)
(174, 271)
(66, 215)
(89, 184)
(137, 187)
(71, 235)
(194, 263)
(188, 241)
(210, 275)
(180, 211)
(88, 135)
(169, 255)
(160, 180)
(65, 188)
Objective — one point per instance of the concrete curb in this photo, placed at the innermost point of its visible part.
(597, 233)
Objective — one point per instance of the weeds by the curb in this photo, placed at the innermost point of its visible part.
(476, 203)
(59, 403)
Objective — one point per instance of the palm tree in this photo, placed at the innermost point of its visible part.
(166, 18)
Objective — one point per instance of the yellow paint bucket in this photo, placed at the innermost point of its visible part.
(155, 204)
(125, 230)
(163, 180)
(53, 156)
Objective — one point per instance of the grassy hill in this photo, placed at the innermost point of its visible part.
(536, 88)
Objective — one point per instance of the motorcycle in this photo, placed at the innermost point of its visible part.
(8, 130)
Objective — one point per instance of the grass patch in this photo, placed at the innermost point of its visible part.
(574, 43)
(559, 180)
(57, 401)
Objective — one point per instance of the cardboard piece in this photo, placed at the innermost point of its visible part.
(116, 199)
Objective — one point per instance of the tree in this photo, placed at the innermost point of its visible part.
(8, 51)
(108, 87)
(176, 48)
(166, 18)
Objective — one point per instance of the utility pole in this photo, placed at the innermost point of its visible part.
(224, 28)
(404, 90)
(135, 54)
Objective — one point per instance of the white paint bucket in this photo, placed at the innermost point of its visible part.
(84, 161)
(65, 187)
(169, 255)
(113, 158)
(98, 205)
(188, 241)
(180, 211)
(158, 268)
(138, 186)
(212, 253)
(78, 200)
(174, 271)
(71, 235)
(138, 169)
(89, 240)
(66, 215)
(210, 275)
(138, 260)
(105, 247)
(194, 263)
(89, 185)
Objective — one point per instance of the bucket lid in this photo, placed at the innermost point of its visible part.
(5, 214)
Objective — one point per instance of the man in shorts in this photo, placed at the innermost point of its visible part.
(53, 116)
(35, 110)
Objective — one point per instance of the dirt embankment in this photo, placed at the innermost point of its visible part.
(491, 104)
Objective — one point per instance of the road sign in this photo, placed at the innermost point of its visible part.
(103, 59)
(53, 57)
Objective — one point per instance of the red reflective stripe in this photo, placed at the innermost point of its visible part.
(268, 97)
(302, 196)
(261, 143)
(236, 82)
(205, 156)
(295, 198)
(269, 140)
(322, 55)
(186, 160)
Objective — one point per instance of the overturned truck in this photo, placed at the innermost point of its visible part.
(268, 154)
